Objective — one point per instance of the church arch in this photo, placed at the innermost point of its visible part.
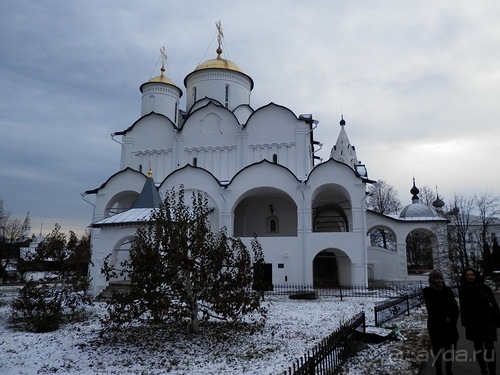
(120, 202)
(331, 267)
(265, 212)
(120, 253)
(331, 209)
(211, 124)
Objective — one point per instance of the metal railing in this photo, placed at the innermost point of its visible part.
(329, 354)
(388, 310)
(373, 290)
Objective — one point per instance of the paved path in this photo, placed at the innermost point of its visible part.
(462, 367)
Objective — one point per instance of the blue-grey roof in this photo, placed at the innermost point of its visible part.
(149, 197)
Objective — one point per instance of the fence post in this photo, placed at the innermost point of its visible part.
(311, 368)
(340, 288)
(408, 304)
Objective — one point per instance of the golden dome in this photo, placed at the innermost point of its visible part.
(162, 78)
(219, 63)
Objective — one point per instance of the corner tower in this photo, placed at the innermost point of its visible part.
(218, 79)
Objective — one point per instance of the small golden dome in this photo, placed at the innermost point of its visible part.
(161, 79)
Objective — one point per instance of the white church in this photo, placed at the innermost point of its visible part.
(259, 170)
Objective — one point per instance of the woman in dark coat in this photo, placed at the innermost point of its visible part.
(442, 316)
(480, 316)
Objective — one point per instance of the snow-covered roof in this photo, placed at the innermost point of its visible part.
(416, 218)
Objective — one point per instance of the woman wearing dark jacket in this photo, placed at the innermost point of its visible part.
(442, 316)
(480, 315)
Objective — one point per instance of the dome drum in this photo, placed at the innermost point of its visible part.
(230, 88)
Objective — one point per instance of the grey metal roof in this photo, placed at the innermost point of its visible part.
(134, 215)
(418, 210)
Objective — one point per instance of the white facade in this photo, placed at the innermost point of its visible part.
(257, 167)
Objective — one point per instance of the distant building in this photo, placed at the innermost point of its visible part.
(260, 172)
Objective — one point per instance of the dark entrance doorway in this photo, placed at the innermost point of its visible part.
(325, 271)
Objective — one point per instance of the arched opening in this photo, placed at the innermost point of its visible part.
(121, 202)
(331, 209)
(418, 252)
(330, 219)
(265, 212)
(383, 238)
(325, 270)
(119, 255)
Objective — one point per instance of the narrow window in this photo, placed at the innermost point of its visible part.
(140, 168)
(195, 162)
(194, 94)
(275, 159)
(226, 97)
(176, 109)
(273, 224)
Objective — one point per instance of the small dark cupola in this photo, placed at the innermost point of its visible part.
(438, 204)
(417, 209)
(414, 192)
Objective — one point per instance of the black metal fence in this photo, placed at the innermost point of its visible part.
(388, 310)
(327, 356)
(373, 290)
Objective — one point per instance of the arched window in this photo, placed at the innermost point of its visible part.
(273, 224)
(195, 162)
(275, 159)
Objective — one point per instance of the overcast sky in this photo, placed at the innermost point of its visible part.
(418, 83)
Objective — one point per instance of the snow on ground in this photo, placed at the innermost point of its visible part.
(293, 327)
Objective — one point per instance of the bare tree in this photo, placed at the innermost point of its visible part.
(459, 213)
(427, 195)
(383, 198)
(10, 231)
(488, 209)
(418, 251)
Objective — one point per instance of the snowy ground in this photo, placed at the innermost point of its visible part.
(293, 327)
